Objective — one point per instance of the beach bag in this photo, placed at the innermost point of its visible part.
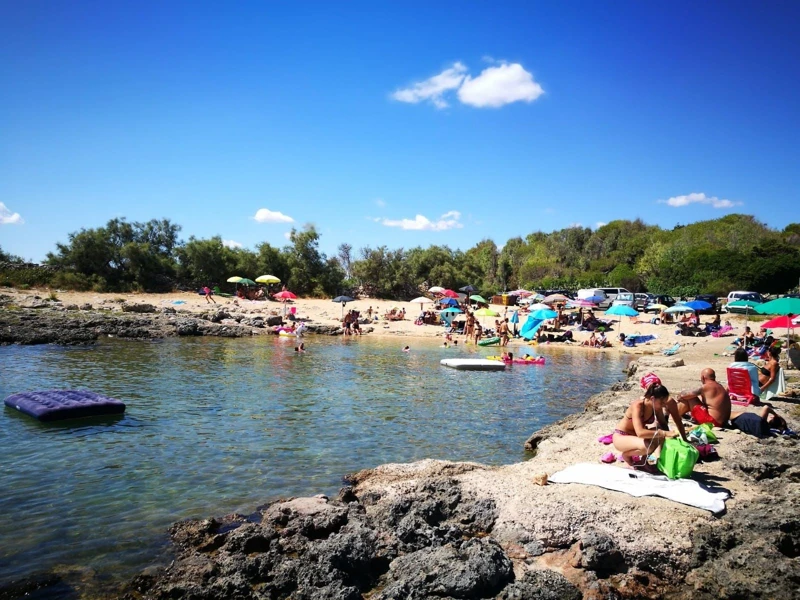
(677, 458)
(708, 429)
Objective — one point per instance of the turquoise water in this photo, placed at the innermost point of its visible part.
(215, 426)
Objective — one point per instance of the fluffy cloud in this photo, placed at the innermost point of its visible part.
(495, 86)
(449, 220)
(231, 244)
(265, 215)
(500, 85)
(9, 218)
(699, 198)
(433, 88)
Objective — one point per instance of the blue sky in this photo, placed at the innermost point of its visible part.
(486, 119)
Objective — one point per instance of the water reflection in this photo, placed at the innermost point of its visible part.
(217, 425)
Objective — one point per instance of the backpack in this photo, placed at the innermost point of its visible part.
(677, 458)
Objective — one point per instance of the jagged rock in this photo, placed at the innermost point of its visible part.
(274, 321)
(541, 584)
(219, 315)
(86, 306)
(168, 310)
(71, 307)
(138, 308)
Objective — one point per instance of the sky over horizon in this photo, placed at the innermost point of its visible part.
(401, 125)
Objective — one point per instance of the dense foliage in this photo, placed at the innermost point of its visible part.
(733, 252)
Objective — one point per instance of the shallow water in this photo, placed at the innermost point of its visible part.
(215, 426)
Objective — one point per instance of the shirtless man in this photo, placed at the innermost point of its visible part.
(709, 403)
(503, 330)
(469, 328)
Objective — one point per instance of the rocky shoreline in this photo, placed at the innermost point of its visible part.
(41, 321)
(465, 530)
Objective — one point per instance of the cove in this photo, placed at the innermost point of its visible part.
(215, 426)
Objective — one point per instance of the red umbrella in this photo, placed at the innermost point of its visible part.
(786, 322)
(285, 295)
(450, 294)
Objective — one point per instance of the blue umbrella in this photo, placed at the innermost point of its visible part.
(698, 304)
(544, 314)
(515, 317)
(452, 309)
(594, 299)
(449, 302)
(621, 310)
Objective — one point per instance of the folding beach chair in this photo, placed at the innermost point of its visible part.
(673, 350)
(739, 387)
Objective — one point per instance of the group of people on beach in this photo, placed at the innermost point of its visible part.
(644, 426)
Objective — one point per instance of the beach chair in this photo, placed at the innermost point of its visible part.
(740, 387)
(672, 350)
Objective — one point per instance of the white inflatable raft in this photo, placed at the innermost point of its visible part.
(473, 364)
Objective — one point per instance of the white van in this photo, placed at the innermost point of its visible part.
(753, 296)
(591, 293)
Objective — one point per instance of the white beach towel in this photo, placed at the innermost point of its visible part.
(637, 483)
(777, 387)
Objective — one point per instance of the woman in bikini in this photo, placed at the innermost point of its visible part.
(644, 427)
(770, 370)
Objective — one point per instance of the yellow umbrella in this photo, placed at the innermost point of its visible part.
(234, 279)
(268, 279)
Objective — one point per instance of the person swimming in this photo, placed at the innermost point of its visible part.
(406, 349)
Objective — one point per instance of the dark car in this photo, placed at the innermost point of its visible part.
(712, 300)
(661, 299)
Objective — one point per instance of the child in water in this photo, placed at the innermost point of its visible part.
(406, 349)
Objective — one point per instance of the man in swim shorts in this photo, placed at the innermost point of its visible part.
(709, 403)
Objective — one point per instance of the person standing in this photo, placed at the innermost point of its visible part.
(503, 331)
(207, 291)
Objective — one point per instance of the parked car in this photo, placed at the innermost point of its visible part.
(712, 300)
(661, 299)
(611, 294)
(624, 299)
(642, 300)
(734, 296)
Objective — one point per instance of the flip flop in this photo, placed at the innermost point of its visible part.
(608, 457)
(606, 439)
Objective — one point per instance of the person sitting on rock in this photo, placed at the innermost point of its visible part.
(644, 426)
(709, 403)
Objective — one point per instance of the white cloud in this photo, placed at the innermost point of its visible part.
(265, 215)
(9, 218)
(599, 224)
(575, 224)
(288, 235)
(449, 220)
(433, 88)
(699, 198)
(500, 85)
(380, 202)
(231, 244)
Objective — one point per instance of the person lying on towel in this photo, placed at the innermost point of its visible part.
(709, 403)
(758, 424)
(644, 426)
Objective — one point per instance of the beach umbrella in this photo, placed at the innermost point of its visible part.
(267, 279)
(448, 302)
(284, 295)
(515, 321)
(421, 300)
(622, 311)
(539, 306)
(234, 279)
(478, 298)
(344, 300)
(785, 322)
(486, 312)
(246, 281)
(658, 307)
(450, 294)
(698, 304)
(554, 298)
(468, 289)
(452, 310)
(436, 289)
(679, 308)
(521, 293)
(594, 299)
(781, 306)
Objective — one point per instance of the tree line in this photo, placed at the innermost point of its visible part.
(716, 256)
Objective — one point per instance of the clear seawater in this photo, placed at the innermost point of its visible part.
(215, 426)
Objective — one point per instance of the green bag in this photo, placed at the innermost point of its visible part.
(677, 458)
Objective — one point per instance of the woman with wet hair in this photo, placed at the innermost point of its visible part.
(644, 426)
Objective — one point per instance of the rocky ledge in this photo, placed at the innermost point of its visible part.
(43, 322)
(462, 530)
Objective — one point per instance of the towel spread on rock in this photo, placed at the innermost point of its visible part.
(636, 483)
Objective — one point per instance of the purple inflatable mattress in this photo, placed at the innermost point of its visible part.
(55, 405)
